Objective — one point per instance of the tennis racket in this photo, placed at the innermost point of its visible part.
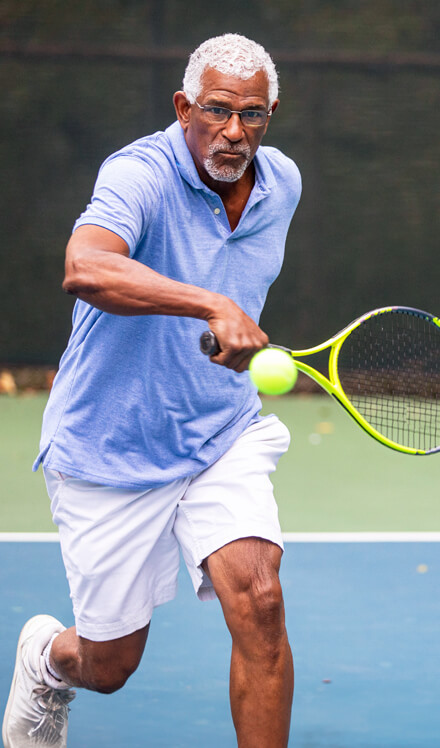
(384, 369)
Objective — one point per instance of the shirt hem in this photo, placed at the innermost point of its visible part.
(45, 458)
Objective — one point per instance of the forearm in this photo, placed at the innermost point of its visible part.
(100, 272)
(119, 285)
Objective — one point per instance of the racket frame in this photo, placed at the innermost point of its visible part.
(332, 384)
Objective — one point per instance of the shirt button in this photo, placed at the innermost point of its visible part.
(216, 211)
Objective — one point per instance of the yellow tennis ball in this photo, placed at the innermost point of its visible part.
(273, 371)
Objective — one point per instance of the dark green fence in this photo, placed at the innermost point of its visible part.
(362, 125)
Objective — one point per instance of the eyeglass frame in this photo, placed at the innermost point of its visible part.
(268, 114)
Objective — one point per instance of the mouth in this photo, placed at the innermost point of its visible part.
(230, 154)
(227, 150)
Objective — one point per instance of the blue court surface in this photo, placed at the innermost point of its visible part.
(363, 620)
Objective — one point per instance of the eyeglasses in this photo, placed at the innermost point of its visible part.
(219, 115)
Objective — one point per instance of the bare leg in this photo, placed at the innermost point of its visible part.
(245, 576)
(98, 666)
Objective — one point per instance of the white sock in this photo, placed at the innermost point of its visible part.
(46, 657)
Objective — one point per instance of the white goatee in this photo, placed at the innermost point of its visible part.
(227, 172)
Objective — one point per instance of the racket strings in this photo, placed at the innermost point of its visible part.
(389, 367)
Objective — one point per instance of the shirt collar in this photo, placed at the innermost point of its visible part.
(264, 177)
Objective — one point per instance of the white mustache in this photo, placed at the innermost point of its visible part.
(235, 150)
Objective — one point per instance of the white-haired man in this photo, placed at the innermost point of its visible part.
(147, 445)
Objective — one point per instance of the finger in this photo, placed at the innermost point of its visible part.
(238, 360)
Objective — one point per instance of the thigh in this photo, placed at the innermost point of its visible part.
(102, 666)
(232, 499)
(242, 564)
(109, 664)
(119, 550)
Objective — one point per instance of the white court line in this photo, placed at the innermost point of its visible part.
(29, 537)
(361, 537)
(288, 537)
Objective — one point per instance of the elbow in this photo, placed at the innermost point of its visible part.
(77, 279)
(68, 285)
(72, 283)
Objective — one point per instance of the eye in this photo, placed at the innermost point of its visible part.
(217, 111)
(254, 114)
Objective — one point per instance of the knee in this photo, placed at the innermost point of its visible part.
(259, 606)
(106, 666)
(257, 624)
(245, 577)
(106, 678)
(266, 604)
(106, 669)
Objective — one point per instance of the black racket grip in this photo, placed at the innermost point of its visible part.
(208, 343)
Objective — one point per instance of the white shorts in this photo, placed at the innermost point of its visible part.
(121, 547)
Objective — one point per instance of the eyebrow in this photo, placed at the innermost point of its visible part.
(216, 102)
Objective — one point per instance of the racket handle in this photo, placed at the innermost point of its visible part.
(208, 343)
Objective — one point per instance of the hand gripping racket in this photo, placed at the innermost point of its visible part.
(384, 369)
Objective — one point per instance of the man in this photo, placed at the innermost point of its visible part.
(147, 445)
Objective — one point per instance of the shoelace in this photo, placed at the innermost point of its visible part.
(54, 705)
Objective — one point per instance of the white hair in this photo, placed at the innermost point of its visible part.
(230, 54)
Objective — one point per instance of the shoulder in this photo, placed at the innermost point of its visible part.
(145, 159)
(284, 169)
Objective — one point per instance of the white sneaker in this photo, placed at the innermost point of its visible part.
(36, 713)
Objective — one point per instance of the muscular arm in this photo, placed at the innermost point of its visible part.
(100, 272)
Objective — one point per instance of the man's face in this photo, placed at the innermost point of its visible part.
(223, 152)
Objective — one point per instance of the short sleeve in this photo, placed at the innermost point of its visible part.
(125, 199)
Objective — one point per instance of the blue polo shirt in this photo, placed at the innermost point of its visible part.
(135, 403)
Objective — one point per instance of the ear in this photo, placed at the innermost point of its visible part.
(274, 106)
(183, 109)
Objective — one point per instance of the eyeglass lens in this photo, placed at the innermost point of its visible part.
(250, 117)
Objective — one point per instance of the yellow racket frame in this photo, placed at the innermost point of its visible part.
(332, 384)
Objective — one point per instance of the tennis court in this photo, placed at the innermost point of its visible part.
(361, 579)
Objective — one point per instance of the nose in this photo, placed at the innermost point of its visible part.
(233, 129)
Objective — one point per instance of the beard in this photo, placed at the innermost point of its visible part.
(227, 172)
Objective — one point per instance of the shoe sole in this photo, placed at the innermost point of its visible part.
(32, 625)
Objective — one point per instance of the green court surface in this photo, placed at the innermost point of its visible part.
(334, 477)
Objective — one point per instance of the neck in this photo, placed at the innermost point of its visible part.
(234, 195)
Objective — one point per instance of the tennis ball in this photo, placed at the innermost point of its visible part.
(273, 371)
